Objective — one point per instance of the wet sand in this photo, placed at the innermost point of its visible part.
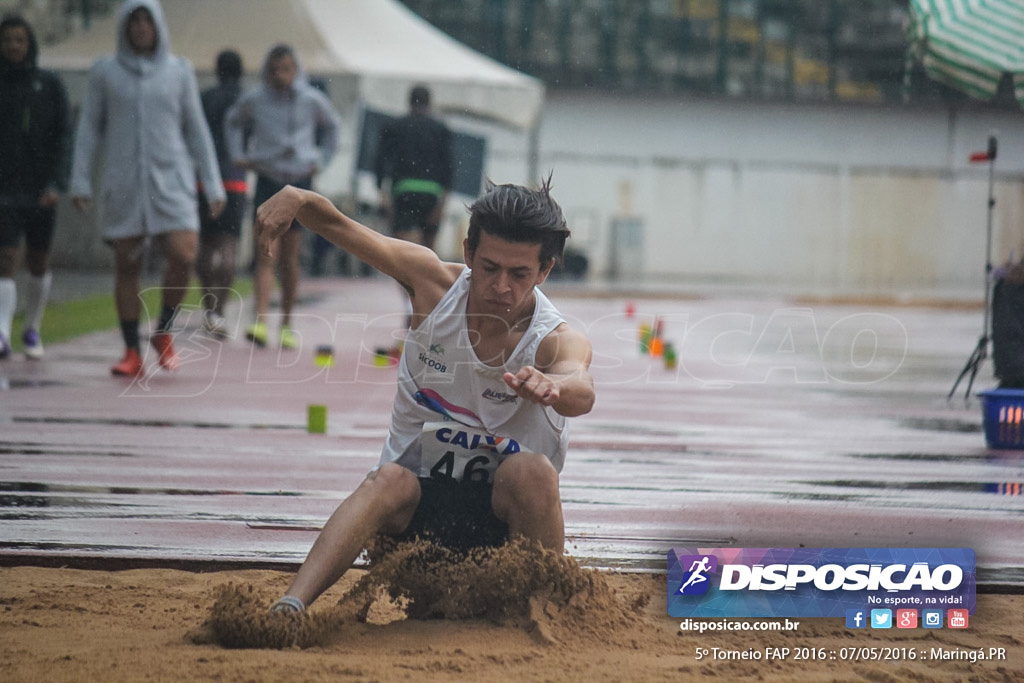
(163, 625)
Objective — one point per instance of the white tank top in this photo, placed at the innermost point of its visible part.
(441, 380)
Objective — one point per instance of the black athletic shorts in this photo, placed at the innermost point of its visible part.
(230, 220)
(456, 514)
(36, 223)
(411, 210)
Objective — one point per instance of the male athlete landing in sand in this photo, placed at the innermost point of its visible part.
(488, 376)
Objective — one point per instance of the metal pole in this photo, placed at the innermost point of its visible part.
(988, 231)
(981, 350)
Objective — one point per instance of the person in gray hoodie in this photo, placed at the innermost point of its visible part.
(142, 114)
(292, 134)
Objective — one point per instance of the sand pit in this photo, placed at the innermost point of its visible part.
(78, 625)
(520, 585)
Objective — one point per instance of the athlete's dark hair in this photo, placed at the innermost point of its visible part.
(519, 214)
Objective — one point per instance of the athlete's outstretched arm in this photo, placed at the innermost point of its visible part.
(562, 377)
(414, 266)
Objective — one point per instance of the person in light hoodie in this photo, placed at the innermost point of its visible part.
(142, 115)
(286, 131)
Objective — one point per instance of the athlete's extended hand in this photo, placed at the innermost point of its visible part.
(274, 217)
(533, 385)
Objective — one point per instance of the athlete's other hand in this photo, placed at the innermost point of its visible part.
(533, 385)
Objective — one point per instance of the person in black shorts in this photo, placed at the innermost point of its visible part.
(34, 128)
(458, 515)
(218, 237)
(415, 170)
(479, 431)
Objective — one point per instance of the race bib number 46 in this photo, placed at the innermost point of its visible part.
(455, 451)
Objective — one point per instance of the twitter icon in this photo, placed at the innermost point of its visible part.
(881, 618)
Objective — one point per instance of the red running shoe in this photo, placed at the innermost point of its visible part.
(164, 344)
(130, 365)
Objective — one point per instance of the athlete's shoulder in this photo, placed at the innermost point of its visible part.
(450, 273)
(563, 344)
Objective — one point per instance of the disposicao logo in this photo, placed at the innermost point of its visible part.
(696, 580)
(818, 582)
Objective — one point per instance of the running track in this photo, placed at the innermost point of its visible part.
(784, 424)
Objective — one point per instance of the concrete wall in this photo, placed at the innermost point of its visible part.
(831, 200)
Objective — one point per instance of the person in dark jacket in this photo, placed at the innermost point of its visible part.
(414, 160)
(33, 169)
(218, 237)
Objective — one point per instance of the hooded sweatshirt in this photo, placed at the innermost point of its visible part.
(142, 115)
(34, 130)
(292, 134)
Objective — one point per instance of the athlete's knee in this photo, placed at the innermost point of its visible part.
(395, 488)
(531, 467)
(526, 478)
(394, 478)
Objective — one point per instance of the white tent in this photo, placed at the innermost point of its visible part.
(368, 51)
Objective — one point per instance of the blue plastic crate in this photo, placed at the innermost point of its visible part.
(1002, 413)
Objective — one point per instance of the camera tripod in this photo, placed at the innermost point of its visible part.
(980, 352)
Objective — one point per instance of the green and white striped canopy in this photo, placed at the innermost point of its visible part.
(969, 44)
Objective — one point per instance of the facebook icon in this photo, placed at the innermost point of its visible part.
(855, 618)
